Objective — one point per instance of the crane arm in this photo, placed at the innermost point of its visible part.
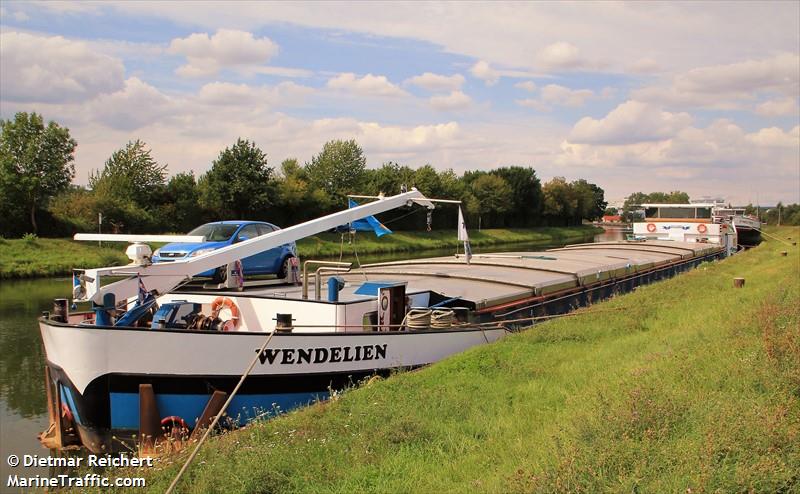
(164, 277)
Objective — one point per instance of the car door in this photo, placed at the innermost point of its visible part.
(272, 257)
(254, 263)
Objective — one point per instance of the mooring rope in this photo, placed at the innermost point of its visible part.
(772, 236)
(442, 318)
(219, 414)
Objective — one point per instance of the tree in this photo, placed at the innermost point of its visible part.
(339, 169)
(526, 195)
(131, 173)
(559, 201)
(130, 190)
(296, 201)
(590, 201)
(182, 211)
(35, 165)
(239, 181)
(491, 193)
(388, 178)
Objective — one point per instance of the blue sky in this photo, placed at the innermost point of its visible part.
(701, 97)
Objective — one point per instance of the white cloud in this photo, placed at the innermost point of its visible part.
(228, 94)
(630, 122)
(533, 103)
(484, 72)
(727, 86)
(456, 100)
(529, 86)
(560, 55)
(282, 71)
(560, 95)
(206, 55)
(137, 105)
(20, 16)
(555, 95)
(369, 85)
(779, 107)
(775, 137)
(437, 82)
(644, 65)
(507, 34)
(405, 139)
(53, 69)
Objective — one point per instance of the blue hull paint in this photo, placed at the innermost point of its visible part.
(243, 408)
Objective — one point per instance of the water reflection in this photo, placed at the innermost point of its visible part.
(23, 408)
(21, 356)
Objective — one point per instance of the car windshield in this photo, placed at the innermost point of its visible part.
(215, 232)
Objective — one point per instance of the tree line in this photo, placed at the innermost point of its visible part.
(134, 193)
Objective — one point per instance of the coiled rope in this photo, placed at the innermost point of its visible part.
(442, 319)
(418, 319)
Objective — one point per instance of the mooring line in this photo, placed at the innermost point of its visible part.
(772, 236)
(219, 414)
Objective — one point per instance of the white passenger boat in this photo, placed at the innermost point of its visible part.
(172, 358)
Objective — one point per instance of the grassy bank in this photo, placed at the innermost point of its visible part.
(41, 257)
(30, 258)
(688, 385)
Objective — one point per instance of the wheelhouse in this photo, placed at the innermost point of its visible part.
(691, 213)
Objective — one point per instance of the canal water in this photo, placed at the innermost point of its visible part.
(23, 408)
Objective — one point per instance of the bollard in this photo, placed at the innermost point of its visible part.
(284, 323)
(738, 282)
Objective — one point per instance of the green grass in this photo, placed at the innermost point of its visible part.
(688, 385)
(39, 257)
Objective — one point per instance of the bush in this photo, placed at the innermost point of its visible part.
(30, 238)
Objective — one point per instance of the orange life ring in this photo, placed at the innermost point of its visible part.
(224, 302)
(173, 421)
(702, 228)
(651, 227)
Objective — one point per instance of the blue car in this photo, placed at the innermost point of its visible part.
(219, 234)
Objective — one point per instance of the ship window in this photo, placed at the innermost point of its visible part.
(678, 213)
(703, 213)
(651, 213)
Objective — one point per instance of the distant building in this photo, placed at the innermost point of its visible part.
(612, 218)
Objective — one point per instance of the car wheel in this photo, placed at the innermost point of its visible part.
(220, 274)
(286, 268)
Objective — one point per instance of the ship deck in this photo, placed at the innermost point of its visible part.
(492, 279)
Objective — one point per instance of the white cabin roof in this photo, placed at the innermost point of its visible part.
(686, 206)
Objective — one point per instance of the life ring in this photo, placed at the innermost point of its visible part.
(220, 303)
(168, 424)
(702, 228)
(651, 227)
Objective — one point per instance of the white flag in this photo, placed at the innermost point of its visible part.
(462, 227)
(463, 235)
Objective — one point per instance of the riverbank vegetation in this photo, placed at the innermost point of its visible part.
(134, 193)
(687, 385)
(32, 257)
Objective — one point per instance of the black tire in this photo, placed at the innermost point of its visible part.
(286, 266)
(220, 274)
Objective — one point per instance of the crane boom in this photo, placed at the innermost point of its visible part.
(164, 277)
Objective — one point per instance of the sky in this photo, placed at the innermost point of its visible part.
(643, 96)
